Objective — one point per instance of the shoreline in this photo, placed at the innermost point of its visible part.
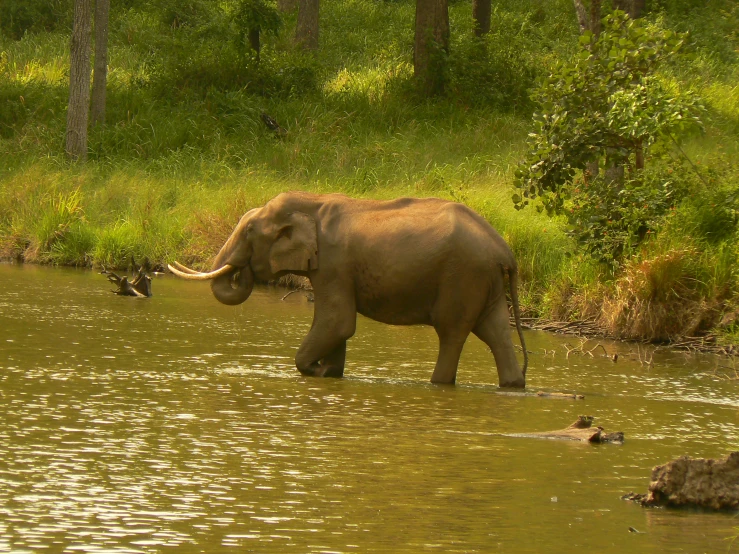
(587, 329)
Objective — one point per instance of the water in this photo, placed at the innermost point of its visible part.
(178, 424)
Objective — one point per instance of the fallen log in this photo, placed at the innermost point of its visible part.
(580, 430)
(139, 287)
(693, 482)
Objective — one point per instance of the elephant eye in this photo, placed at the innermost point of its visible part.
(286, 232)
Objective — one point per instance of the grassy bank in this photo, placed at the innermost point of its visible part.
(184, 152)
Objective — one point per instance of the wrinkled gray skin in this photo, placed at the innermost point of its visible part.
(403, 262)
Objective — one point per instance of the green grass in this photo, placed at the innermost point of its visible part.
(184, 152)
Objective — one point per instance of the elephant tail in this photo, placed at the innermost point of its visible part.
(513, 280)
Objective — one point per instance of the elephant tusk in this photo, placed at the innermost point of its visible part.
(198, 276)
(185, 269)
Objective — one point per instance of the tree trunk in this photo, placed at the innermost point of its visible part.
(100, 72)
(588, 15)
(614, 172)
(481, 10)
(639, 155)
(287, 5)
(306, 32)
(79, 82)
(254, 41)
(632, 7)
(431, 44)
(638, 8)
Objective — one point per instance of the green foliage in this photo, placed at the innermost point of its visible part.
(713, 26)
(609, 222)
(258, 15)
(63, 211)
(605, 109)
(493, 70)
(17, 17)
(75, 246)
(116, 245)
(710, 214)
(15, 112)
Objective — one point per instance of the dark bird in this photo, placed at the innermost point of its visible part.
(272, 125)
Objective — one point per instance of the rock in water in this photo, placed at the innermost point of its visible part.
(698, 482)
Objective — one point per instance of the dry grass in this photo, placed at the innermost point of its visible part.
(661, 298)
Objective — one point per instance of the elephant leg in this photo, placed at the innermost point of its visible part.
(494, 331)
(450, 348)
(323, 351)
(333, 364)
(453, 317)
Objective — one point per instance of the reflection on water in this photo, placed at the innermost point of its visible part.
(133, 425)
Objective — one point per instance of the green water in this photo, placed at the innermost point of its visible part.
(178, 424)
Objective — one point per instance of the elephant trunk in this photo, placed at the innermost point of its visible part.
(234, 287)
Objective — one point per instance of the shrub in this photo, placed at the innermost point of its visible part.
(609, 222)
(666, 295)
(600, 113)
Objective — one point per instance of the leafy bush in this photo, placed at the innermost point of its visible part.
(609, 222)
(600, 113)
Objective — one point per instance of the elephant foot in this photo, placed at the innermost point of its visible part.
(317, 370)
(513, 384)
(333, 371)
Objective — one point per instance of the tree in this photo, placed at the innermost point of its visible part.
(481, 11)
(306, 31)
(607, 106)
(100, 72)
(431, 45)
(79, 81)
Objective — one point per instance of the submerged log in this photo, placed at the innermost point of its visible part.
(542, 394)
(694, 482)
(565, 395)
(580, 430)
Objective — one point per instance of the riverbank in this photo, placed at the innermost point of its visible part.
(675, 289)
(185, 152)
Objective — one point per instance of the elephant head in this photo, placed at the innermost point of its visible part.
(266, 243)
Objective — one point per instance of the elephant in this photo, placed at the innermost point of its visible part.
(406, 261)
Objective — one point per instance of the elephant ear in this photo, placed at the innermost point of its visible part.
(296, 247)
